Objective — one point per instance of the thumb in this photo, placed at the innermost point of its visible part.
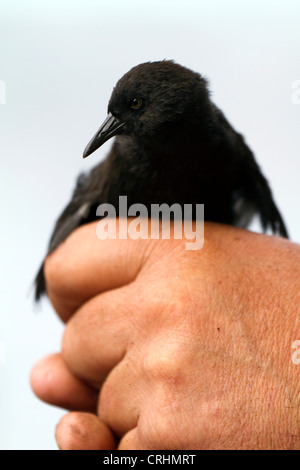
(83, 431)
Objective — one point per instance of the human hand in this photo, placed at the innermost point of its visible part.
(190, 349)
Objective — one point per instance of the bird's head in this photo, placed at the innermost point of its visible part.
(149, 98)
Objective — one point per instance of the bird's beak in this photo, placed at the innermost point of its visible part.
(110, 127)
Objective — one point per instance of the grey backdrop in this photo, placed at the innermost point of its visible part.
(58, 62)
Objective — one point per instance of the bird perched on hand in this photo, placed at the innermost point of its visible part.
(173, 145)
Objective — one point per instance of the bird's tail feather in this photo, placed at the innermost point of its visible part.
(40, 285)
(256, 198)
(269, 214)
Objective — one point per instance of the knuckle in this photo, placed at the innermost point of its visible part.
(59, 286)
(76, 350)
(61, 265)
(159, 423)
(51, 269)
(57, 273)
(164, 363)
(69, 352)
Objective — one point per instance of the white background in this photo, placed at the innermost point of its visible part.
(59, 61)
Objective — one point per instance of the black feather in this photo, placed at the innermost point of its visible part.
(173, 145)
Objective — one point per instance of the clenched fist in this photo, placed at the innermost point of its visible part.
(166, 348)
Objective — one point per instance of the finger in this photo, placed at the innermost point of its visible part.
(83, 431)
(97, 337)
(84, 266)
(53, 383)
(130, 441)
(122, 397)
(148, 381)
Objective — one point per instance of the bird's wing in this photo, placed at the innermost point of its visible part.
(76, 213)
(254, 195)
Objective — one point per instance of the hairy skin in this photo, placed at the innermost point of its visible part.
(189, 349)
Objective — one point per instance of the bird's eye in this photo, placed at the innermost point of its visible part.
(136, 103)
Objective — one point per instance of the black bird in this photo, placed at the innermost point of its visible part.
(173, 145)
